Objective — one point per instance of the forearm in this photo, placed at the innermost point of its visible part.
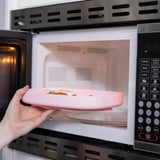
(5, 135)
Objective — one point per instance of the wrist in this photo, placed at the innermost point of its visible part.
(6, 135)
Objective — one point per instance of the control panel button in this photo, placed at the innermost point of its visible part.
(155, 75)
(140, 111)
(148, 120)
(144, 67)
(140, 128)
(155, 69)
(140, 120)
(157, 105)
(144, 81)
(155, 89)
(143, 88)
(155, 61)
(155, 81)
(148, 112)
(144, 61)
(149, 104)
(143, 96)
(155, 96)
(141, 104)
(156, 113)
(148, 129)
(148, 137)
(156, 130)
(156, 121)
(144, 74)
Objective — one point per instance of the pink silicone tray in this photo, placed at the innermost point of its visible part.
(85, 100)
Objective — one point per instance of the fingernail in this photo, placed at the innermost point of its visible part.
(25, 87)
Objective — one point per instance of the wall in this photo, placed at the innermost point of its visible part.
(2, 14)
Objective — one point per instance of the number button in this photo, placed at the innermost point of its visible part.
(156, 113)
(156, 121)
(148, 112)
(148, 120)
(141, 103)
(140, 120)
(149, 104)
(140, 111)
(148, 129)
(157, 105)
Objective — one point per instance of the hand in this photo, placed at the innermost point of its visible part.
(20, 119)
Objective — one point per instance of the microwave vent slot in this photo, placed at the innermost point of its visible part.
(92, 152)
(96, 13)
(120, 10)
(18, 141)
(54, 20)
(121, 6)
(150, 11)
(19, 17)
(148, 7)
(70, 151)
(149, 3)
(50, 150)
(35, 19)
(33, 146)
(35, 15)
(95, 9)
(75, 18)
(51, 143)
(54, 17)
(74, 15)
(120, 14)
(35, 22)
(53, 13)
(74, 11)
(33, 139)
(70, 147)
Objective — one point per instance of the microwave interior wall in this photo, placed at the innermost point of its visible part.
(100, 61)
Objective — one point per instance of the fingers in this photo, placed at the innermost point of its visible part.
(19, 94)
(47, 114)
(36, 121)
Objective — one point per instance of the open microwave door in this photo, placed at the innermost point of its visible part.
(15, 64)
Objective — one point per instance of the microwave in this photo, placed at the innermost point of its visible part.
(118, 53)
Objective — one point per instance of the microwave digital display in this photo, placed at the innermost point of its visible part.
(152, 47)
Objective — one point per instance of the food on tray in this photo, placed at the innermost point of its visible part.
(60, 92)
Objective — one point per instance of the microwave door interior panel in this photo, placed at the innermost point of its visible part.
(93, 45)
(15, 66)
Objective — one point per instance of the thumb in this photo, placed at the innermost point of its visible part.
(19, 94)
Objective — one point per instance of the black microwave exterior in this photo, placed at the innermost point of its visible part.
(15, 64)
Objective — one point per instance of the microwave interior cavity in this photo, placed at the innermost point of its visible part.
(97, 65)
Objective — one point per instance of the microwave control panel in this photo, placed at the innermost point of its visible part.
(147, 116)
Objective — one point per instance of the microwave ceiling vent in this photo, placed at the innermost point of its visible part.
(86, 14)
